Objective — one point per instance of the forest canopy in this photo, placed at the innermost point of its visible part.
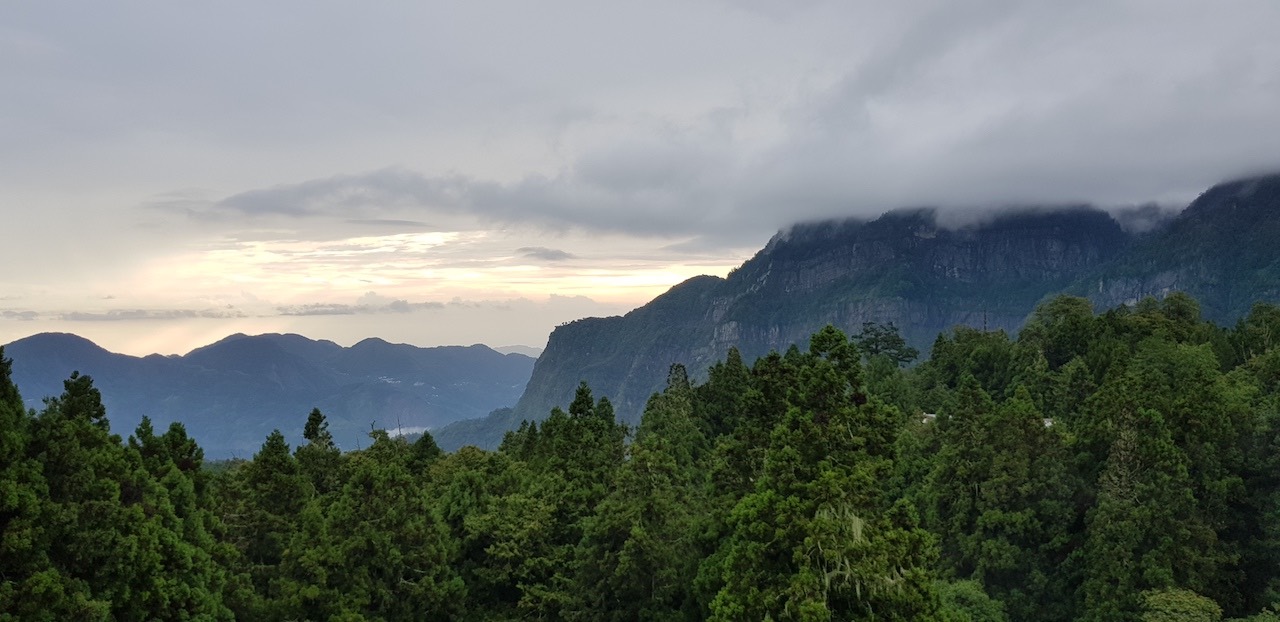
(1114, 466)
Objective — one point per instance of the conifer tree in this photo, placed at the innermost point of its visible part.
(22, 486)
(635, 561)
(379, 549)
(185, 580)
(261, 506)
(319, 459)
(1142, 533)
(815, 540)
(92, 519)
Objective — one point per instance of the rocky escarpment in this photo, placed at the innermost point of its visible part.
(902, 267)
(906, 268)
(1223, 250)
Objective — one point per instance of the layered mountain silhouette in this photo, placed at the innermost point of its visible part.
(908, 268)
(231, 394)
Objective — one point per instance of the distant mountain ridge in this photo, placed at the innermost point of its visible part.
(906, 268)
(232, 393)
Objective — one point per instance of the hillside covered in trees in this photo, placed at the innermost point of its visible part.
(1114, 466)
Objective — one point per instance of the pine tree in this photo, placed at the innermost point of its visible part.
(816, 540)
(261, 506)
(721, 402)
(1141, 534)
(319, 459)
(635, 561)
(185, 580)
(26, 569)
(378, 549)
(1016, 537)
(92, 518)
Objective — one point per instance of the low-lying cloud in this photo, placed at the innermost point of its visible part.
(394, 306)
(544, 253)
(9, 314)
(133, 315)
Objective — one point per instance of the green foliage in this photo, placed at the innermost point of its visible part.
(1001, 498)
(633, 562)
(378, 549)
(1060, 329)
(884, 340)
(319, 459)
(988, 357)
(26, 575)
(815, 539)
(1178, 605)
(966, 601)
(1122, 466)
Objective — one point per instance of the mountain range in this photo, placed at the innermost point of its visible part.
(914, 269)
(232, 393)
(924, 270)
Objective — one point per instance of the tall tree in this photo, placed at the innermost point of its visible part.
(319, 459)
(574, 462)
(379, 549)
(1003, 502)
(1142, 533)
(884, 340)
(262, 502)
(635, 561)
(815, 540)
(22, 486)
(92, 518)
(186, 579)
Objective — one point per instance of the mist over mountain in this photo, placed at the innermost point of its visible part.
(926, 274)
(232, 393)
(528, 351)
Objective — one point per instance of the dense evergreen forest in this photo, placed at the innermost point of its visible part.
(1120, 466)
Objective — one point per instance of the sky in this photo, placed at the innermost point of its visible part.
(480, 172)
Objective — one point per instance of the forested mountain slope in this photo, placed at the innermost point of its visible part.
(908, 269)
(1224, 250)
(233, 392)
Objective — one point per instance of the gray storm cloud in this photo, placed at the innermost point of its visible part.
(133, 134)
(970, 105)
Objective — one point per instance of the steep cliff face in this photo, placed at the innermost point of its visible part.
(1224, 250)
(902, 267)
(906, 268)
(622, 354)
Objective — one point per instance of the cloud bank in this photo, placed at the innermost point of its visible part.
(504, 150)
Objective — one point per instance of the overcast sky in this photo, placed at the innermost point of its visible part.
(462, 172)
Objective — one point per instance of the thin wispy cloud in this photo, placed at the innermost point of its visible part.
(395, 306)
(544, 253)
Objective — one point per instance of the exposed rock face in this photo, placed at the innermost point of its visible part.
(1224, 250)
(902, 268)
(905, 268)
